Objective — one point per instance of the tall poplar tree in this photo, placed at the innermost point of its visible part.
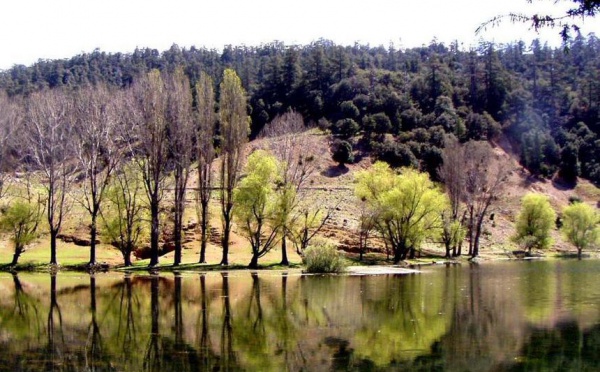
(147, 127)
(205, 132)
(181, 147)
(235, 128)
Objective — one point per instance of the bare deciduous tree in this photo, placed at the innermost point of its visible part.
(148, 142)
(97, 149)
(123, 218)
(485, 175)
(206, 118)
(289, 144)
(48, 125)
(234, 131)
(452, 173)
(181, 147)
(10, 118)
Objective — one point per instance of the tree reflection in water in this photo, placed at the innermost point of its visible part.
(153, 356)
(126, 332)
(456, 318)
(228, 360)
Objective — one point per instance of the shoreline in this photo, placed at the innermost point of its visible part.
(372, 266)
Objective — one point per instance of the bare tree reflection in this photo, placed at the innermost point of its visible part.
(56, 352)
(94, 348)
(228, 359)
(25, 308)
(206, 358)
(126, 329)
(153, 355)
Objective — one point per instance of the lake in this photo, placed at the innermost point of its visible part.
(538, 315)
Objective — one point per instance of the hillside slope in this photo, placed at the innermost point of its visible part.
(333, 186)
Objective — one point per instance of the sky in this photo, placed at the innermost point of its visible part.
(51, 29)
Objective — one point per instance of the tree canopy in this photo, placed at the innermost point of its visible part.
(534, 222)
(407, 206)
(398, 103)
(581, 226)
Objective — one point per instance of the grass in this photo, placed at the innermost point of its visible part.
(72, 257)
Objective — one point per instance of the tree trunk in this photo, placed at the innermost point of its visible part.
(203, 232)
(154, 231)
(254, 261)
(579, 253)
(397, 254)
(459, 251)
(127, 258)
(471, 228)
(476, 243)
(53, 234)
(225, 240)
(16, 255)
(284, 257)
(177, 239)
(93, 234)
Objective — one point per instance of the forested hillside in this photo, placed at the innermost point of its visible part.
(396, 104)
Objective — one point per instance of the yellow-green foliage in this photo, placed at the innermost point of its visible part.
(580, 225)
(123, 214)
(257, 204)
(534, 222)
(255, 196)
(20, 220)
(323, 257)
(407, 206)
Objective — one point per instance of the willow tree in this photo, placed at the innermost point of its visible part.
(97, 148)
(181, 147)
(406, 207)
(21, 219)
(581, 226)
(205, 132)
(48, 127)
(147, 131)
(234, 122)
(258, 206)
(534, 222)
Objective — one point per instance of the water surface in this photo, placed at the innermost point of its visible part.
(499, 316)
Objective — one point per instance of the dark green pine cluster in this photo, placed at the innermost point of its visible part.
(395, 104)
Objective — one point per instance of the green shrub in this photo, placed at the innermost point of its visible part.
(323, 257)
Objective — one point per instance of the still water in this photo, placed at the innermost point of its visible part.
(496, 316)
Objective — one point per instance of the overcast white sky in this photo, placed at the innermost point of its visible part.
(48, 29)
